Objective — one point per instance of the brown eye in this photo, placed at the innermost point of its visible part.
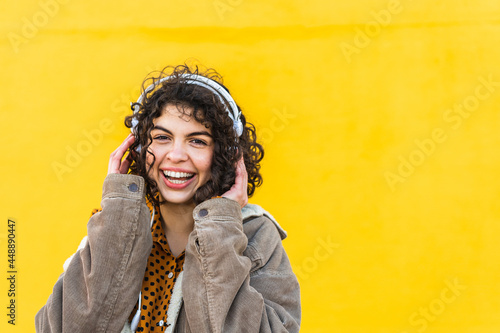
(161, 138)
(199, 142)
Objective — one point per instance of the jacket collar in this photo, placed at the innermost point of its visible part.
(251, 210)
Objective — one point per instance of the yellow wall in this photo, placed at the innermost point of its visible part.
(381, 142)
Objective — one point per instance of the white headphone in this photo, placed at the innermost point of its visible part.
(211, 85)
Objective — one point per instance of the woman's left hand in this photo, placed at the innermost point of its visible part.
(238, 192)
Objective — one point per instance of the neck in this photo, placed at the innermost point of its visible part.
(177, 218)
(177, 222)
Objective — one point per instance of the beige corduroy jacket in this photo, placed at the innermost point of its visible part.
(236, 278)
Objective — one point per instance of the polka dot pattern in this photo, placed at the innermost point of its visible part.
(94, 211)
(161, 273)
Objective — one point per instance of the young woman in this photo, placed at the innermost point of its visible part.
(175, 246)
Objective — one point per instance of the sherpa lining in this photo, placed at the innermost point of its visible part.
(251, 210)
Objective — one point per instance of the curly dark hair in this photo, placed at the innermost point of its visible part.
(209, 111)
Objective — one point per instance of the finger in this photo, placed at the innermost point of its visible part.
(125, 164)
(239, 166)
(124, 167)
(239, 174)
(120, 151)
(244, 173)
(114, 165)
(242, 184)
(125, 145)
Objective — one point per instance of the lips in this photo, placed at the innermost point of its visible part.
(177, 180)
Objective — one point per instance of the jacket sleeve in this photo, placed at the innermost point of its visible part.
(235, 283)
(100, 286)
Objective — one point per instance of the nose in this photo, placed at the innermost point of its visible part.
(177, 152)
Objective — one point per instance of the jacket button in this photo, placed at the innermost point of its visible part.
(170, 275)
(202, 213)
(133, 187)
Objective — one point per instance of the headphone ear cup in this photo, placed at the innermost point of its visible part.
(134, 124)
(238, 127)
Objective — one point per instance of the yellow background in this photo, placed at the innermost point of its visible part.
(360, 100)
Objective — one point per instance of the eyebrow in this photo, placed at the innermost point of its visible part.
(189, 135)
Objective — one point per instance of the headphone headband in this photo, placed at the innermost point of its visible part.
(209, 84)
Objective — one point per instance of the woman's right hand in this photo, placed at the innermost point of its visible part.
(116, 162)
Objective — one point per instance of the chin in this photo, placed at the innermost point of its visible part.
(179, 200)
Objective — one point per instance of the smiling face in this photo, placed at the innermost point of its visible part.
(183, 149)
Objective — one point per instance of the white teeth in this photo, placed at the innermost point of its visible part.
(174, 181)
(174, 174)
